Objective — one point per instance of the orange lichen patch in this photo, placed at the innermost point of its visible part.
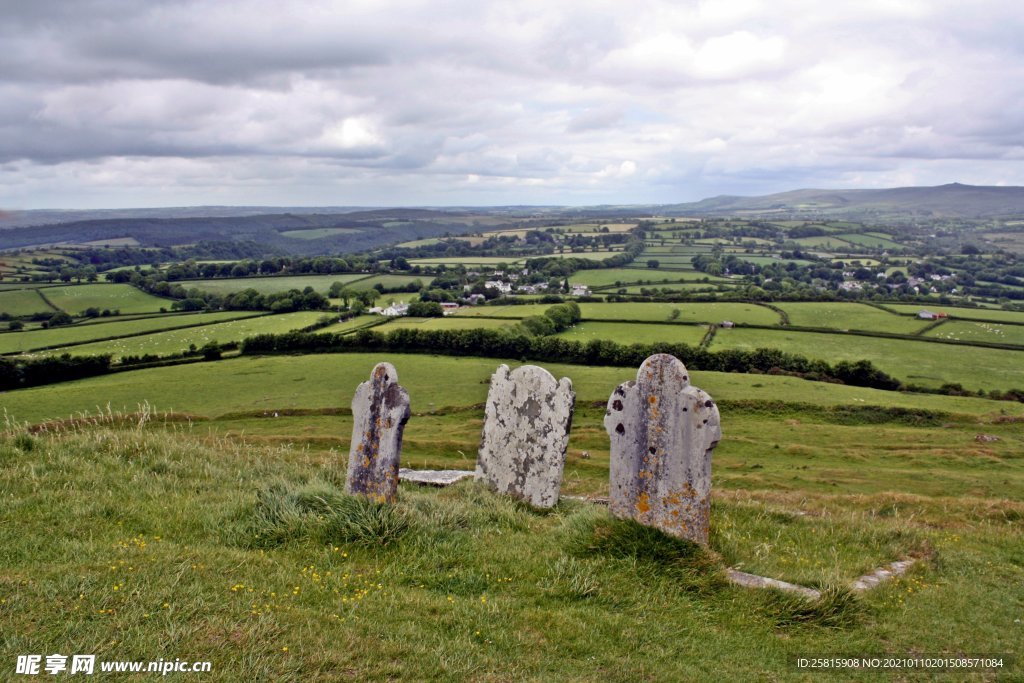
(643, 504)
(652, 399)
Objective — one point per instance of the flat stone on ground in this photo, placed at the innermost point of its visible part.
(434, 477)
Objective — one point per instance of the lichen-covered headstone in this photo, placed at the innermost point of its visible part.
(525, 434)
(662, 432)
(380, 410)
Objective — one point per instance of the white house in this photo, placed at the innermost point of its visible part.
(395, 310)
(503, 287)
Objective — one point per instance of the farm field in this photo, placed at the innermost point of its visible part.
(22, 302)
(849, 316)
(390, 281)
(73, 299)
(963, 330)
(976, 313)
(916, 362)
(641, 312)
(677, 287)
(645, 312)
(349, 325)
(635, 333)
(824, 241)
(768, 260)
(603, 277)
(323, 381)
(175, 341)
(467, 260)
(16, 342)
(873, 241)
(271, 284)
(446, 323)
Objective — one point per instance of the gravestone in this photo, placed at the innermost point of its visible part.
(662, 433)
(380, 410)
(525, 434)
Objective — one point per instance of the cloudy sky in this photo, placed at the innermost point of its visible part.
(130, 103)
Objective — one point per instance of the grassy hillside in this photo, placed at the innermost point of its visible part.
(227, 538)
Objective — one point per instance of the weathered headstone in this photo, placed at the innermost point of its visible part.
(662, 433)
(380, 410)
(525, 434)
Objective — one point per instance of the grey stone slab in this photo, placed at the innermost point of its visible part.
(662, 433)
(754, 581)
(380, 409)
(525, 434)
(434, 477)
(881, 575)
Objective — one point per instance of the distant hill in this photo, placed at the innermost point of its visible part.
(307, 233)
(949, 201)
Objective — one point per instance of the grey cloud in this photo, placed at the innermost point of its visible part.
(448, 101)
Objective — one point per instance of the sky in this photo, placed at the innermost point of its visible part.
(139, 103)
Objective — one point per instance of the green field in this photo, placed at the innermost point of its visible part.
(22, 302)
(645, 312)
(272, 285)
(329, 380)
(824, 241)
(976, 313)
(873, 241)
(175, 341)
(680, 287)
(769, 260)
(102, 328)
(916, 362)
(602, 277)
(317, 233)
(636, 333)
(446, 323)
(992, 333)
(74, 299)
(391, 281)
(849, 316)
(355, 323)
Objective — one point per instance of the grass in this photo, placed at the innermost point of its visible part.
(153, 540)
(849, 316)
(391, 282)
(636, 333)
(255, 385)
(645, 312)
(351, 324)
(271, 285)
(22, 302)
(175, 341)
(603, 277)
(74, 299)
(918, 362)
(962, 330)
(873, 241)
(954, 312)
(102, 328)
(446, 323)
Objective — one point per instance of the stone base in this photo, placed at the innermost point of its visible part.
(434, 477)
